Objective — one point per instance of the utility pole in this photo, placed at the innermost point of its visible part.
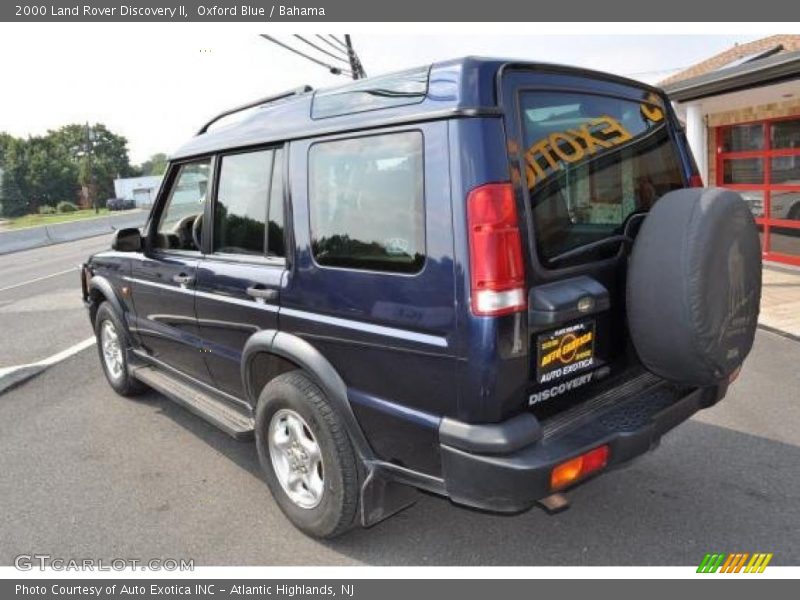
(355, 65)
(89, 149)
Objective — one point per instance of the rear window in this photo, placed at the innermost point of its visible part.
(591, 162)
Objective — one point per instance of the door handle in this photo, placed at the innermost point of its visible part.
(262, 294)
(183, 279)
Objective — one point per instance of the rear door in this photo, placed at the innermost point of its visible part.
(372, 282)
(590, 157)
(239, 279)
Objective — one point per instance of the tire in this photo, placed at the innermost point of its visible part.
(694, 286)
(107, 322)
(794, 213)
(323, 509)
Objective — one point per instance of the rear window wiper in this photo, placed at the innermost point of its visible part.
(614, 239)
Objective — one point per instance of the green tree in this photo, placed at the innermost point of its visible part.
(37, 172)
(50, 174)
(5, 140)
(155, 165)
(45, 170)
(99, 155)
(12, 197)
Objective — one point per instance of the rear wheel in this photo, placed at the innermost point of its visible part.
(307, 458)
(296, 458)
(113, 346)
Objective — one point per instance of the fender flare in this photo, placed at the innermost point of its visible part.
(103, 285)
(298, 351)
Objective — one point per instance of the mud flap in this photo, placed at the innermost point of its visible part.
(382, 498)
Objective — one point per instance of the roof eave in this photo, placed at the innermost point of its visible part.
(749, 75)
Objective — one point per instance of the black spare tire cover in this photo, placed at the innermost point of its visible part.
(694, 286)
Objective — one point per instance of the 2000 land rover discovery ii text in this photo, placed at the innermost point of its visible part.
(484, 279)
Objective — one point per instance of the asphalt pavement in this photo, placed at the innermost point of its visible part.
(87, 473)
(40, 300)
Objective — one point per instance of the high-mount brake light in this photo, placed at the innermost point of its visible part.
(497, 270)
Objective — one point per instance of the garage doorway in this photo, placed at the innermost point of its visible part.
(761, 160)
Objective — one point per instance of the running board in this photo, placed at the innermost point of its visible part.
(216, 411)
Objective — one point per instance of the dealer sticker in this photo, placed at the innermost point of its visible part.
(565, 351)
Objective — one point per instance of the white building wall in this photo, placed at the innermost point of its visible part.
(142, 190)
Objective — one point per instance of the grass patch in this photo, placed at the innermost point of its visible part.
(35, 220)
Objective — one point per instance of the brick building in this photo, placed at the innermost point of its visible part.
(742, 114)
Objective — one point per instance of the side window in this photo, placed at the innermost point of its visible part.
(181, 219)
(366, 203)
(242, 200)
(275, 234)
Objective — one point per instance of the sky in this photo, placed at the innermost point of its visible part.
(156, 84)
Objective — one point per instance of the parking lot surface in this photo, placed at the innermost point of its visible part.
(87, 473)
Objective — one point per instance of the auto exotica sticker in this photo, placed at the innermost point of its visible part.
(564, 351)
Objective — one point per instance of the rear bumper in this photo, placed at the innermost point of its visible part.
(514, 481)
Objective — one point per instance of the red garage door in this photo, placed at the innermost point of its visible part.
(761, 160)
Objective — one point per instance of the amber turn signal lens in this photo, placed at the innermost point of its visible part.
(579, 467)
(566, 473)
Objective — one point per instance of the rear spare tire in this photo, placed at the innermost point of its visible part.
(694, 286)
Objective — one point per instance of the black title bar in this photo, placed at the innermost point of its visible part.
(408, 10)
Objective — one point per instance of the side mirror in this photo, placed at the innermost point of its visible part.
(127, 240)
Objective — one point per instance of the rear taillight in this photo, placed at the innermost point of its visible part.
(497, 271)
(695, 181)
(579, 467)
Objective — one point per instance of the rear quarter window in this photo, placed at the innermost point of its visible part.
(366, 203)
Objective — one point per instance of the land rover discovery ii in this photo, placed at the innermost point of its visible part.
(485, 279)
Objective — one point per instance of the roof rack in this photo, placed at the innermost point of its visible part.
(287, 94)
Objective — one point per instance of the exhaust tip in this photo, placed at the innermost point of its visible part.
(554, 503)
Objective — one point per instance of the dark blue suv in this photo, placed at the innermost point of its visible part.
(485, 279)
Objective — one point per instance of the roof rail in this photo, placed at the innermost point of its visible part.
(287, 94)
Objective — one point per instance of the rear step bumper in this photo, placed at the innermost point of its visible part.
(515, 481)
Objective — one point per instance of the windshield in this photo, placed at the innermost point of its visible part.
(591, 161)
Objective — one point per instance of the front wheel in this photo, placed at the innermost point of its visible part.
(113, 345)
(306, 455)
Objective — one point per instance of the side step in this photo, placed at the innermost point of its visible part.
(216, 411)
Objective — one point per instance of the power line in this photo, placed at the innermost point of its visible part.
(338, 41)
(333, 69)
(313, 45)
(356, 70)
(331, 44)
